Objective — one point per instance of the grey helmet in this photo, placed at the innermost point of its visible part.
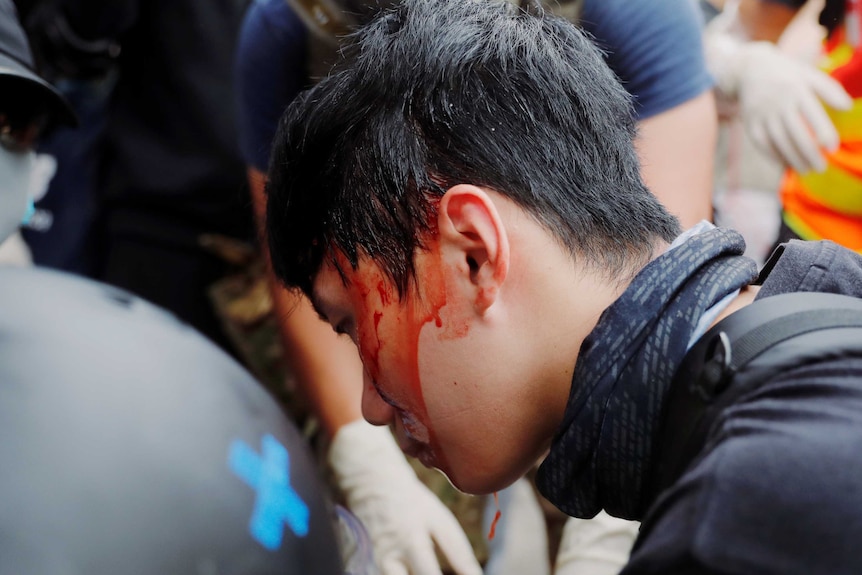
(131, 445)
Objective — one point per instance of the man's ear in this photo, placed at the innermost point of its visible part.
(472, 235)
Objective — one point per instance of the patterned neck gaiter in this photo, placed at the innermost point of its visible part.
(601, 456)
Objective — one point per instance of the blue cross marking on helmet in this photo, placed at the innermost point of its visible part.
(277, 503)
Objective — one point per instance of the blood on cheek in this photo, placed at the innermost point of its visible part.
(389, 328)
(388, 336)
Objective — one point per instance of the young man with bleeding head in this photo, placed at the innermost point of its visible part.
(463, 200)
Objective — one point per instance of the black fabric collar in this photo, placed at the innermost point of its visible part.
(602, 452)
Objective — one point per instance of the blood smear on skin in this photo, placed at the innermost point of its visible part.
(497, 516)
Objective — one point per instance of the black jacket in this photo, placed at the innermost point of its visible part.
(777, 487)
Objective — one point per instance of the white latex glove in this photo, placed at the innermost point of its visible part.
(597, 546)
(520, 543)
(403, 517)
(781, 100)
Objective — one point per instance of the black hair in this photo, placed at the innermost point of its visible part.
(435, 93)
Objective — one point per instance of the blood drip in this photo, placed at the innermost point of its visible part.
(497, 516)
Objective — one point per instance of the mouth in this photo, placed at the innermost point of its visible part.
(410, 448)
(415, 448)
(414, 437)
(423, 453)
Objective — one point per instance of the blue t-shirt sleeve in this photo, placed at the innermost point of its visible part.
(654, 46)
(270, 71)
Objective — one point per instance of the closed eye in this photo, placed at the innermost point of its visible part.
(344, 327)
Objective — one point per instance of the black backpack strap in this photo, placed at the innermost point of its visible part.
(773, 332)
(703, 385)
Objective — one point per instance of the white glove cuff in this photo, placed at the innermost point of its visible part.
(360, 448)
(725, 62)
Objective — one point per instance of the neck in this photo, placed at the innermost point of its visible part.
(579, 298)
(745, 297)
(551, 312)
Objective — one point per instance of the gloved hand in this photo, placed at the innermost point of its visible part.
(403, 518)
(597, 546)
(781, 100)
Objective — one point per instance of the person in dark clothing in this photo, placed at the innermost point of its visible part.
(463, 200)
(76, 48)
(29, 108)
(173, 175)
(170, 184)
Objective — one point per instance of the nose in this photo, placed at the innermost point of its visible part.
(374, 409)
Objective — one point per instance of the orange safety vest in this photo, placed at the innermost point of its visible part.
(828, 205)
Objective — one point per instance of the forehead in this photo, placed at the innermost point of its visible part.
(335, 287)
(339, 288)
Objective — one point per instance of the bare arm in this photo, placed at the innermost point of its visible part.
(676, 150)
(326, 366)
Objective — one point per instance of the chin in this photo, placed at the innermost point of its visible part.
(473, 482)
